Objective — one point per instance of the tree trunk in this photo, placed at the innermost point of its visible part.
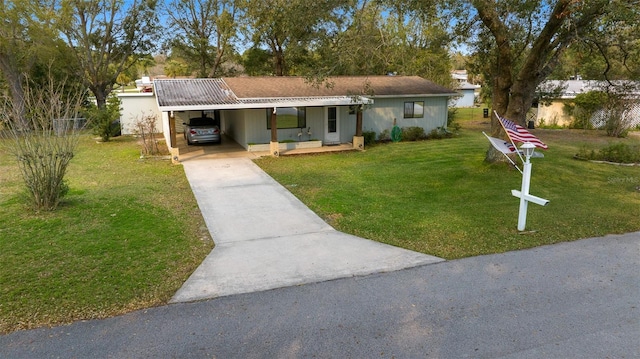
(14, 81)
(101, 96)
(503, 79)
(279, 64)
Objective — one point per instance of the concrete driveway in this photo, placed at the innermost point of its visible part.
(266, 238)
(568, 300)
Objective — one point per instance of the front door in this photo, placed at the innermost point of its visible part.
(331, 126)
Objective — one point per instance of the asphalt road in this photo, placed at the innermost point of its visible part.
(570, 300)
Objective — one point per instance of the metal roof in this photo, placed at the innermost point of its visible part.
(265, 92)
(193, 92)
(571, 88)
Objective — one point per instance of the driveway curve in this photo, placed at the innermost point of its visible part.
(266, 238)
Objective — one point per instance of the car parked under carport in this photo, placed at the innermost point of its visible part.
(202, 130)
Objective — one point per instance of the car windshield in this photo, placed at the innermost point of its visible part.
(201, 121)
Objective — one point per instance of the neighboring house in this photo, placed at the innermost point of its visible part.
(551, 111)
(467, 97)
(330, 113)
(467, 91)
(460, 76)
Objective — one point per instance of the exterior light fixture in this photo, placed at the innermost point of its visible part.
(528, 149)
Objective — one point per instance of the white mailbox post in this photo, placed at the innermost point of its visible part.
(527, 149)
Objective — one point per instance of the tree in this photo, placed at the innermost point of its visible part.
(173, 68)
(202, 31)
(107, 38)
(361, 47)
(104, 121)
(30, 50)
(256, 62)
(289, 28)
(520, 44)
(610, 51)
(14, 51)
(383, 37)
(420, 41)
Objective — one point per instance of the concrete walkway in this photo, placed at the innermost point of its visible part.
(266, 238)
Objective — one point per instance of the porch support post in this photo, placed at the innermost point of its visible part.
(359, 121)
(173, 142)
(274, 147)
(358, 139)
(172, 130)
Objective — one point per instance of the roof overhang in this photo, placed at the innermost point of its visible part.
(258, 103)
(451, 94)
(269, 92)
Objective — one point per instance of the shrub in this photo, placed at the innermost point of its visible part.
(552, 124)
(145, 127)
(617, 152)
(618, 119)
(452, 116)
(413, 133)
(621, 152)
(43, 140)
(585, 105)
(369, 137)
(104, 121)
(385, 135)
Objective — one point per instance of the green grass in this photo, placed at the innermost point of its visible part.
(126, 237)
(440, 197)
(129, 232)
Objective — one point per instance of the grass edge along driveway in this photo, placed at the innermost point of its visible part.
(439, 197)
(126, 237)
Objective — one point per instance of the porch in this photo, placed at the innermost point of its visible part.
(231, 149)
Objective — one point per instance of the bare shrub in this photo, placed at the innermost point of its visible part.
(145, 127)
(43, 139)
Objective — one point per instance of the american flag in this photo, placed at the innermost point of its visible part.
(518, 133)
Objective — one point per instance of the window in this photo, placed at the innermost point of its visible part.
(332, 120)
(414, 109)
(288, 117)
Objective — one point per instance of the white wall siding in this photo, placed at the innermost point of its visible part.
(235, 125)
(467, 99)
(256, 126)
(135, 106)
(347, 125)
(315, 120)
(380, 116)
(257, 132)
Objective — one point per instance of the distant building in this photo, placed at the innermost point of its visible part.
(552, 110)
(467, 92)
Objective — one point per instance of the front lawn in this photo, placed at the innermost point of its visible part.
(439, 196)
(129, 233)
(126, 237)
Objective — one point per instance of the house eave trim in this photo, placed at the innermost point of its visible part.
(452, 94)
(258, 103)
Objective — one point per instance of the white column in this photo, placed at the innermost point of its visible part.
(524, 191)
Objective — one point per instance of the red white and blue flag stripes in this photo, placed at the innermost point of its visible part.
(518, 133)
